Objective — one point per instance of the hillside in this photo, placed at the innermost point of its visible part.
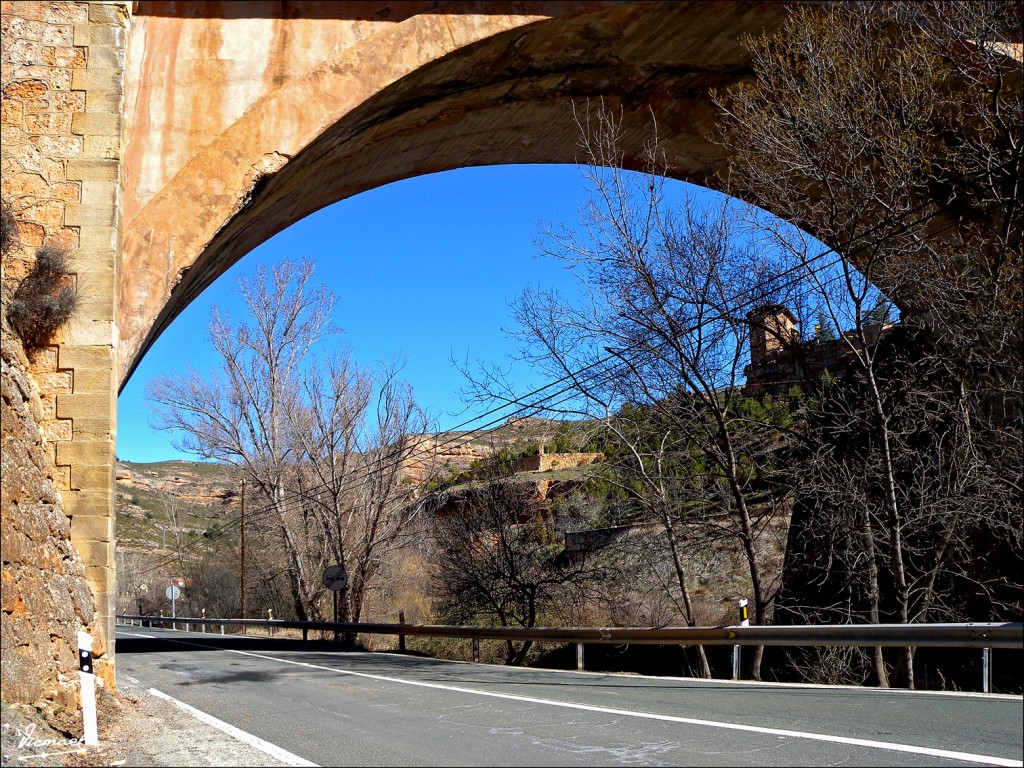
(195, 497)
(152, 497)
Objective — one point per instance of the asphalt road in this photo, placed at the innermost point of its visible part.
(364, 709)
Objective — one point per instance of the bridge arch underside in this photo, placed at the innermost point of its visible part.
(488, 91)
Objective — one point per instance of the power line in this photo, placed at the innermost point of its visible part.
(575, 379)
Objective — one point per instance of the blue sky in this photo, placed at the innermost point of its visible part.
(424, 270)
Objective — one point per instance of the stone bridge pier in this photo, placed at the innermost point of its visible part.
(62, 88)
(162, 141)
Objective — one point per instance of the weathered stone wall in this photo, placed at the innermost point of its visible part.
(546, 462)
(44, 597)
(61, 83)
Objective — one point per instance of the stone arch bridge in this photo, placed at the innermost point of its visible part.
(162, 141)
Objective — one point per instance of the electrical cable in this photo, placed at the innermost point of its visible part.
(534, 406)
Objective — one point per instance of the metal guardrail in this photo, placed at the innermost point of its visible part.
(975, 635)
(985, 636)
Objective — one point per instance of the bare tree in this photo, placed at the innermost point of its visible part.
(352, 430)
(663, 332)
(495, 564)
(891, 131)
(138, 587)
(298, 431)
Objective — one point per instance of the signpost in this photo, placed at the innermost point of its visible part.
(336, 579)
(173, 592)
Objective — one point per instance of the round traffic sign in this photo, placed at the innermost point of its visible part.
(335, 578)
(173, 592)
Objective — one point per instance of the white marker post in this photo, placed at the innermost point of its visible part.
(744, 622)
(88, 679)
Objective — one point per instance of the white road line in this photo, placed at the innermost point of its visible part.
(273, 750)
(870, 743)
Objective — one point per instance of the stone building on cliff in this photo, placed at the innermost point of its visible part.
(781, 359)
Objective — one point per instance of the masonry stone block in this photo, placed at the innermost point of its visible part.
(47, 408)
(93, 124)
(102, 146)
(100, 575)
(107, 13)
(99, 193)
(24, 51)
(62, 477)
(94, 380)
(92, 332)
(68, 191)
(98, 80)
(87, 34)
(75, 406)
(97, 503)
(93, 527)
(25, 184)
(96, 273)
(48, 123)
(52, 168)
(57, 78)
(88, 453)
(25, 90)
(92, 551)
(12, 114)
(102, 101)
(106, 57)
(25, 156)
(30, 11)
(96, 310)
(100, 241)
(79, 169)
(85, 357)
(49, 213)
(77, 215)
(94, 428)
(93, 238)
(91, 478)
(42, 104)
(67, 101)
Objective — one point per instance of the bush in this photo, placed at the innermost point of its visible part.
(44, 300)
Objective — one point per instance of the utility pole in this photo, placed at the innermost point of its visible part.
(243, 551)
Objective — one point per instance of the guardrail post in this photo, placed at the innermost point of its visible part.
(579, 657)
(744, 622)
(476, 649)
(222, 629)
(986, 670)
(401, 637)
(305, 633)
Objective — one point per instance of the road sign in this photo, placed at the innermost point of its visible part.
(335, 578)
(173, 592)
